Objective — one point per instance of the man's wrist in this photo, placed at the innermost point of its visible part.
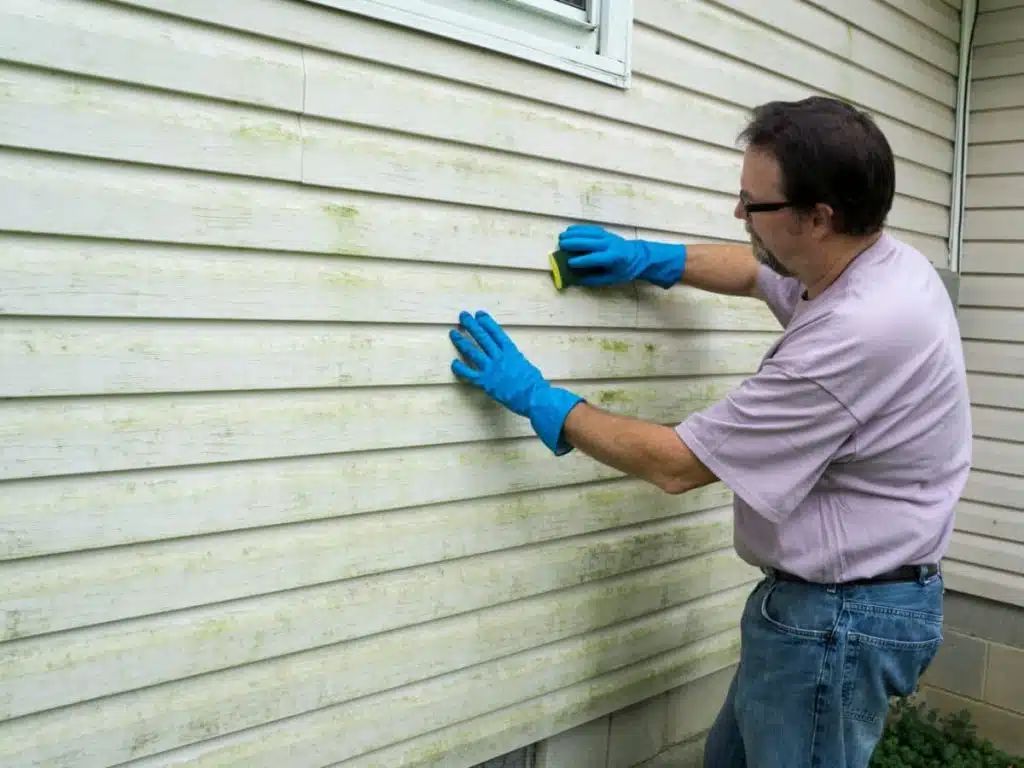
(549, 407)
(667, 262)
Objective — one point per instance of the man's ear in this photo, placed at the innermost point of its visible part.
(821, 220)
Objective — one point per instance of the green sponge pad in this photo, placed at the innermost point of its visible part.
(562, 274)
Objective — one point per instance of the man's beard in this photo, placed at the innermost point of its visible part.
(766, 257)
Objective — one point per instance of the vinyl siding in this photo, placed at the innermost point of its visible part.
(247, 516)
(989, 546)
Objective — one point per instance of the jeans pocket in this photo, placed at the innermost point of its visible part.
(798, 611)
(878, 668)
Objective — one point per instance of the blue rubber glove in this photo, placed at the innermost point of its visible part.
(620, 260)
(501, 370)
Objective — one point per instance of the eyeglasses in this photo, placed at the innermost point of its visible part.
(750, 207)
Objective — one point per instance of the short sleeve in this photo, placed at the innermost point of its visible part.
(781, 294)
(770, 440)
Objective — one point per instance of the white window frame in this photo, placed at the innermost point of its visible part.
(594, 44)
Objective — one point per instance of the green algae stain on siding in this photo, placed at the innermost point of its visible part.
(341, 213)
(610, 345)
(268, 131)
(615, 397)
(345, 222)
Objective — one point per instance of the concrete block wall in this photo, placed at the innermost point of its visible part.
(980, 668)
(666, 731)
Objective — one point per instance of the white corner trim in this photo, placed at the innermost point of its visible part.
(968, 20)
(595, 46)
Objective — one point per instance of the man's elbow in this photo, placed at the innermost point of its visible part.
(687, 476)
(674, 485)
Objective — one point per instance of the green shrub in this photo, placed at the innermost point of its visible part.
(918, 737)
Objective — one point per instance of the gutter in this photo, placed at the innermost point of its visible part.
(951, 275)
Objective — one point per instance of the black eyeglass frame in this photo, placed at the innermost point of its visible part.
(763, 207)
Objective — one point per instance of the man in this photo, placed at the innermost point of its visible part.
(846, 451)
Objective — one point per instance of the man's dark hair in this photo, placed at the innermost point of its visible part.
(831, 153)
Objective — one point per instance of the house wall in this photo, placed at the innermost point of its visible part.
(986, 558)
(981, 664)
(247, 517)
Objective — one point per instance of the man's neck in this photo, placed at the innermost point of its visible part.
(839, 257)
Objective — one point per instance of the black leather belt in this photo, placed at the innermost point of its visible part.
(903, 573)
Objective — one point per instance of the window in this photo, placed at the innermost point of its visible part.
(590, 38)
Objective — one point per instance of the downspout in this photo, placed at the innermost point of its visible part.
(968, 22)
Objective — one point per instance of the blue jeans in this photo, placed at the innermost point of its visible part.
(818, 665)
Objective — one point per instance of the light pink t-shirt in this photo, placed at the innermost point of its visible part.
(848, 449)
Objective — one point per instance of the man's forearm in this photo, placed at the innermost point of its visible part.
(652, 452)
(721, 268)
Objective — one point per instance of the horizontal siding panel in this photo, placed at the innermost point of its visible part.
(1006, 191)
(992, 553)
(72, 197)
(999, 391)
(343, 157)
(994, 522)
(665, 58)
(994, 357)
(813, 26)
(1004, 224)
(66, 277)
(984, 582)
(1002, 291)
(757, 45)
(998, 456)
(888, 23)
(998, 60)
(118, 433)
(89, 512)
(83, 589)
(935, 249)
(992, 258)
(507, 729)
(57, 112)
(354, 91)
(262, 692)
(934, 15)
(349, 730)
(183, 207)
(1000, 26)
(999, 423)
(117, 42)
(987, 6)
(998, 93)
(90, 357)
(997, 159)
(996, 126)
(141, 652)
(995, 489)
(992, 324)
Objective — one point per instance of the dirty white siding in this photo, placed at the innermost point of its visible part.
(990, 544)
(246, 517)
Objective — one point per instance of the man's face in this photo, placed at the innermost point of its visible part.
(770, 232)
